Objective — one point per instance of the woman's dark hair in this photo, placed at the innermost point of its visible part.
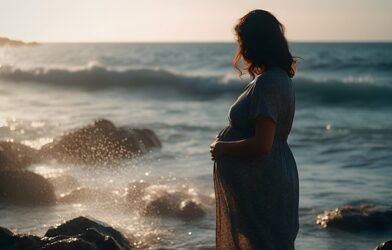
(262, 44)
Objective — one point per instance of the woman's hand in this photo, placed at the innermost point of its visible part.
(216, 149)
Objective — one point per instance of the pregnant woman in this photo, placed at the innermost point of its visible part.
(255, 174)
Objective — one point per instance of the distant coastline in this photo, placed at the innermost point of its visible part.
(4, 41)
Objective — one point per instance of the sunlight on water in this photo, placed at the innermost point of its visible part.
(37, 144)
(341, 136)
(48, 170)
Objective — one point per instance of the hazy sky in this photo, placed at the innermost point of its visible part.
(190, 20)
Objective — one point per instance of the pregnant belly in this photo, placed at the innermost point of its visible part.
(233, 134)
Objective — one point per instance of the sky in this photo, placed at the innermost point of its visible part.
(190, 20)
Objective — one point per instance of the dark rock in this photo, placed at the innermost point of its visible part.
(76, 234)
(90, 239)
(145, 136)
(99, 143)
(86, 234)
(190, 210)
(387, 245)
(10, 241)
(356, 218)
(14, 155)
(25, 188)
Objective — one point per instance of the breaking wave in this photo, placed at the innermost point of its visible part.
(333, 92)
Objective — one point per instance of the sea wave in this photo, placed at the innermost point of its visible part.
(329, 92)
(99, 77)
(356, 64)
(341, 92)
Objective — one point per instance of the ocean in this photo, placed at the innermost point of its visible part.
(341, 136)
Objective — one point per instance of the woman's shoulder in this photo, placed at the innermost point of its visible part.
(273, 83)
(273, 78)
(274, 73)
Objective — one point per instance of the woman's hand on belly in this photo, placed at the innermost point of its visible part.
(215, 149)
(259, 144)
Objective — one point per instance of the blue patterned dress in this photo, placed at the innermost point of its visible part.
(257, 197)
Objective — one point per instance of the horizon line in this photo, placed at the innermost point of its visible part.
(206, 41)
(197, 41)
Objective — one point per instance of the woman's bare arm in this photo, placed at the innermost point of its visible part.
(259, 144)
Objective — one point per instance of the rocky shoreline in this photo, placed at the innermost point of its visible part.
(357, 218)
(99, 144)
(78, 233)
(4, 41)
(102, 144)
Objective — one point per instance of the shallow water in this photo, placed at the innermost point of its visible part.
(342, 134)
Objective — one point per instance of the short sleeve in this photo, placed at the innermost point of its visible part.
(264, 99)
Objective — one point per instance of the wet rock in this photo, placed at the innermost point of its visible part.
(356, 218)
(11, 241)
(387, 245)
(173, 205)
(14, 155)
(25, 188)
(190, 210)
(87, 233)
(100, 143)
(145, 136)
(76, 234)
(157, 200)
(90, 239)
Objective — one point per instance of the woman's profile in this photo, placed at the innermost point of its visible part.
(255, 173)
